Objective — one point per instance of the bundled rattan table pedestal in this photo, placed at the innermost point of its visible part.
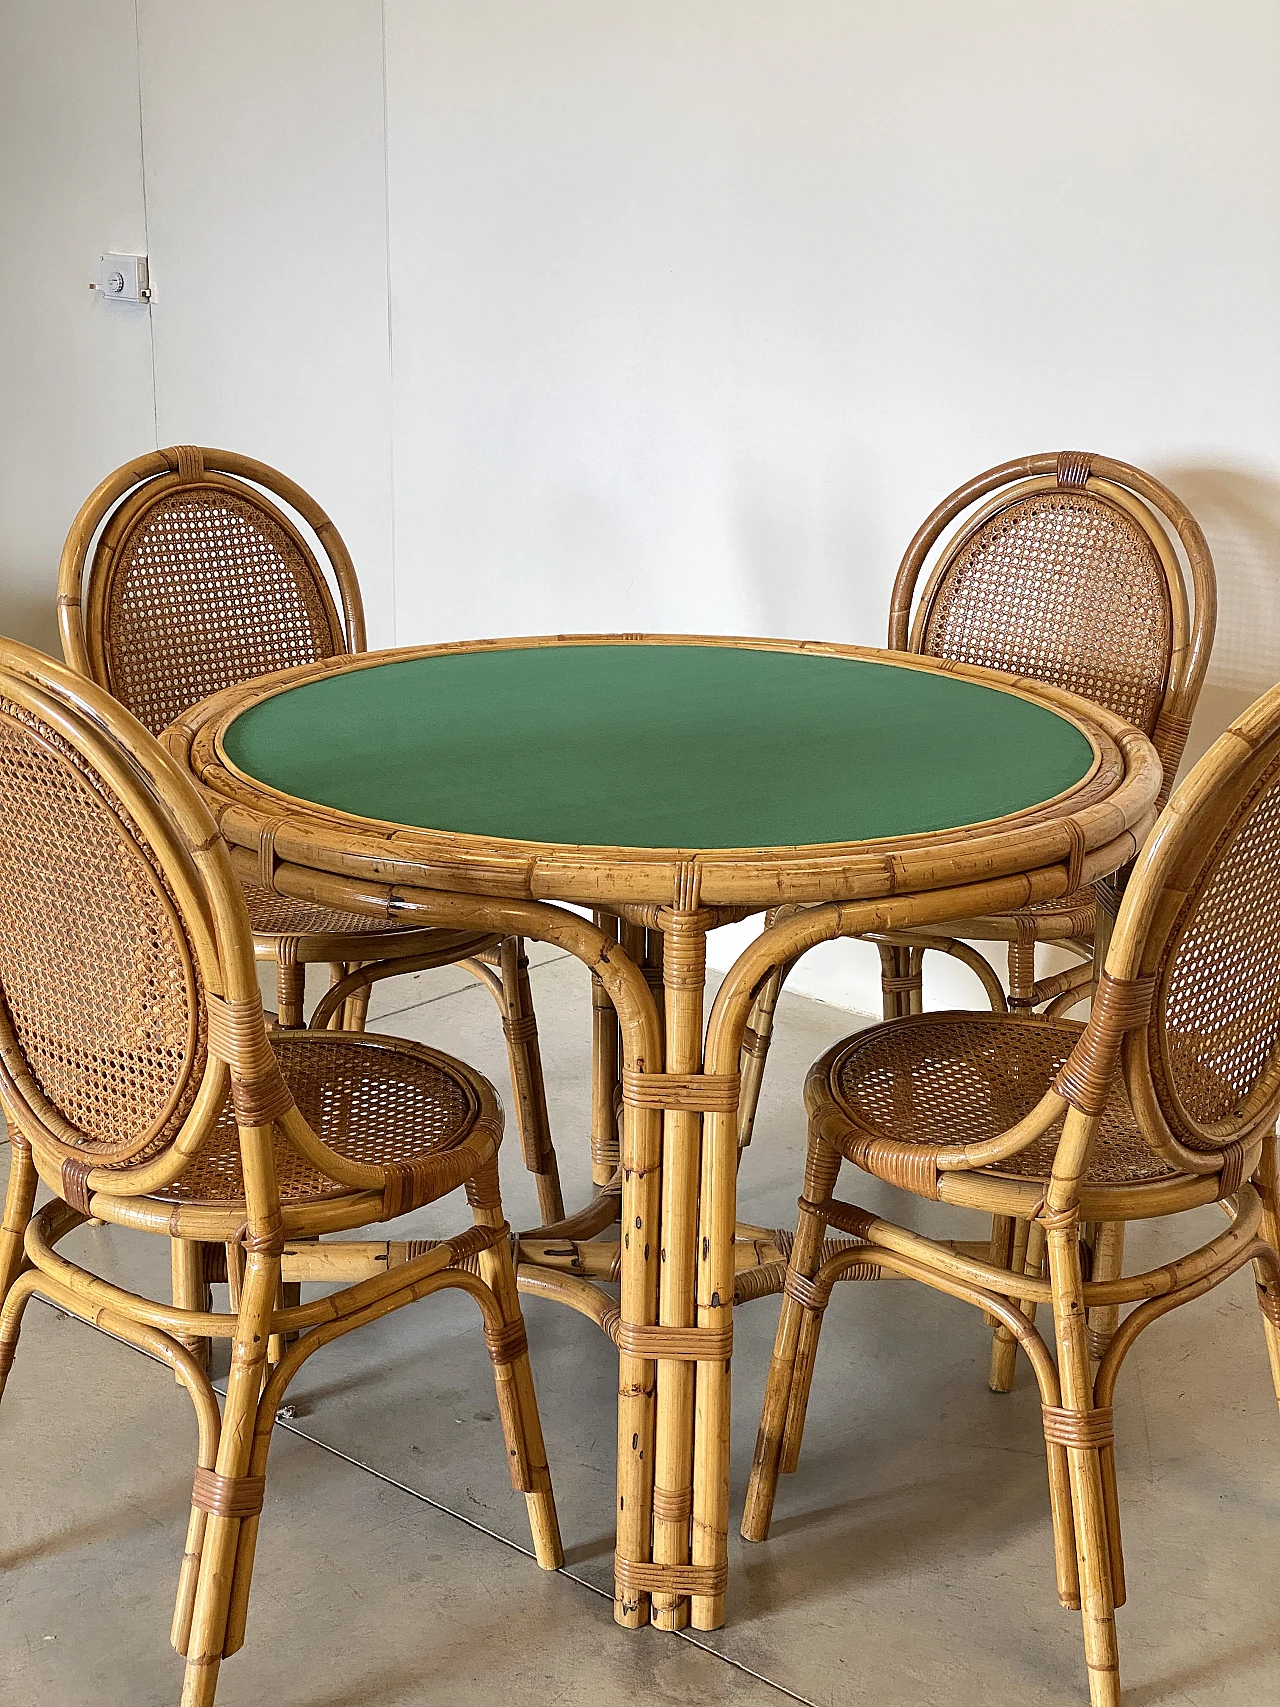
(670, 784)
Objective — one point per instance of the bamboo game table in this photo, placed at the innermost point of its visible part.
(670, 784)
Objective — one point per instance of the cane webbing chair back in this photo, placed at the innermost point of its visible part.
(182, 576)
(1068, 575)
(107, 943)
(1204, 1073)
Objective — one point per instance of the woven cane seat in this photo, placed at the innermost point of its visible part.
(280, 915)
(1070, 915)
(372, 1100)
(958, 1078)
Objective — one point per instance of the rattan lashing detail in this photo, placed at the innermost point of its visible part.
(238, 1036)
(228, 1496)
(681, 1345)
(637, 1576)
(506, 1343)
(708, 1093)
(1119, 1005)
(1074, 468)
(75, 1182)
(1081, 1430)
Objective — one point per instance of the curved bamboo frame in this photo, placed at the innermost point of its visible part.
(1127, 1024)
(181, 838)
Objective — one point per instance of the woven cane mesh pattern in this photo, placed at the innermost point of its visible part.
(98, 986)
(207, 590)
(960, 1078)
(370, 1103)
(1218, 1003)
(272, 915)
(1066, 588)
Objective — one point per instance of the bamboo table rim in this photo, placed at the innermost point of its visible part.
(681, 1259)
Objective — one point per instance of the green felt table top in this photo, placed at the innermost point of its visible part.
(659, 746)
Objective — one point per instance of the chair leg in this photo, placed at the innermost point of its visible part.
(1267, 1180)
(901, 980)
(19, 1202)
(605, 1156)
(1027, 1258)
(190, 1292)
(1022, 973)
(355, 1010)
(525, 1058)
(794, 1348)
(1088, 1495)
(290, 985)
(229, 1491)
(513, 1377)
(1108, 1264)
(755, 1052)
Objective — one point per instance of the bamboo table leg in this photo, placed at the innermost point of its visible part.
(684, 963)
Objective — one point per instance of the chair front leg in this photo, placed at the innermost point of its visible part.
(795, 1346)
(355, 1010)
(19, 1202)
(1084, 1431)
(229, 1495)
(512, 1375)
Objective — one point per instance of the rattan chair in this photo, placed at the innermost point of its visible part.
(1063, 569)
(1165, 1101)
(1070, 575)
(190, 570)
(142, 1088)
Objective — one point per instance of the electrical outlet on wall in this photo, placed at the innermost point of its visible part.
(123, 278)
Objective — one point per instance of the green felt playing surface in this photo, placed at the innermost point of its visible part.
(659, 746)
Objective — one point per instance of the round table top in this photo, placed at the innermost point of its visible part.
(559, 761)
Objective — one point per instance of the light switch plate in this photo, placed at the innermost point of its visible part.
(123, 278)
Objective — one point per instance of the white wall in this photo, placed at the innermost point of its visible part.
(700, 308)
(75, 375)
(696, 308)
(266, 201)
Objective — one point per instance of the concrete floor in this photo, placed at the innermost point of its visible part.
(910, 1563)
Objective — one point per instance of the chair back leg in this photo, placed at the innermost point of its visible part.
(1027, 1257)
(527, 1082)
(1088, 1500)
(795, 1347)
(1267, 1180)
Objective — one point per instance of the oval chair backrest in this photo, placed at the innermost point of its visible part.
(1201, 921)
(109, 943)
(198, 581)
(1067, 576)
